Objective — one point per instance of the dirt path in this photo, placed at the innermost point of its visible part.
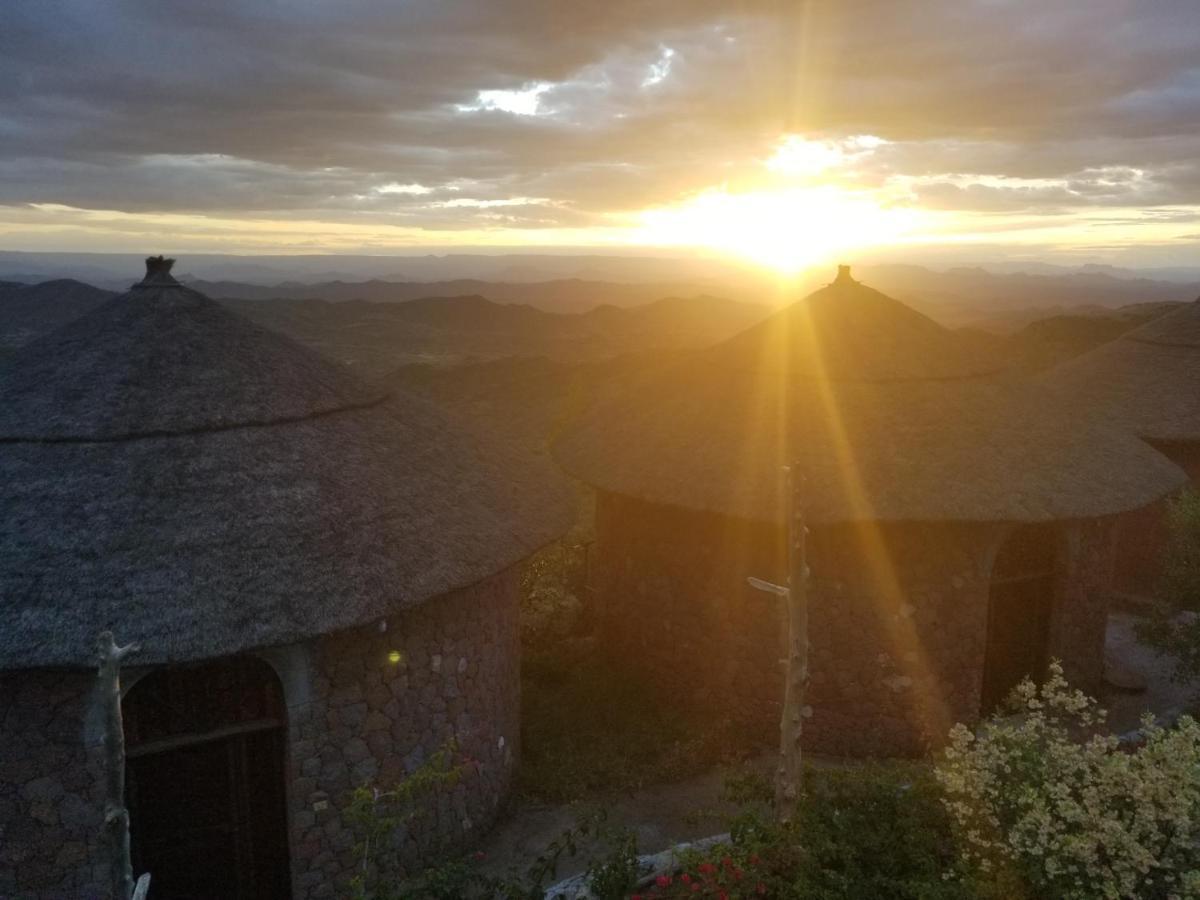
(660, 816)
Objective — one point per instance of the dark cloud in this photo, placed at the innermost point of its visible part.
(309, 106)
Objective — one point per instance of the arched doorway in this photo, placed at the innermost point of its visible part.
(205, 781)
(1020, 599)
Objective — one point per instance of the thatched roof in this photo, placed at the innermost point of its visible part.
(1147, 380)
(201, 485)
(890, 418)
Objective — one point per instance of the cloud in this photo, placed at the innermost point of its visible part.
(451, 114)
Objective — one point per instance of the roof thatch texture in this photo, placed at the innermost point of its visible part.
(891, 420)
(173, 473)
(1147, 380)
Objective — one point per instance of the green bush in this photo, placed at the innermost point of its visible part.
(1179, 589)
(589, 725)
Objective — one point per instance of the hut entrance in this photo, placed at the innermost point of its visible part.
(1022, 590)
(205, 781)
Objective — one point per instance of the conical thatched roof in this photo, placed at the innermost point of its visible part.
(890, 416)
(204, 486)
(1147, 380)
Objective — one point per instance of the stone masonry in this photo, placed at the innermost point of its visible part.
(898, 619)
(50, 788)
(372, 721)
(355, 717)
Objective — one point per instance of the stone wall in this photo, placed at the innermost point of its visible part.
(354, 717)
(368, 720)
(50, 788)
(898, 619)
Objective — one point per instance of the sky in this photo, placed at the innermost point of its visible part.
(783, 133)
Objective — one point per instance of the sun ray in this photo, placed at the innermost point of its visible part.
(886, 590)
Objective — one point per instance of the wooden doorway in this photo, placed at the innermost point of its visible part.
(205, 777)
(1020, 600)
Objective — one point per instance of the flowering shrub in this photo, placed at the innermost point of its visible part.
(1069, 811)
(872, 831)
(712, 879)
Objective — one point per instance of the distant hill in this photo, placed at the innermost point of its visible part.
(1006, 302)
(1055, 339)
(30, 310)
(114, 270)
(559, 296)
(378, 337)
(997, 301)
(1048, 341)
(531, 399)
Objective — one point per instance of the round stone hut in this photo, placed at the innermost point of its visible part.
(1147, 381)
(323, 580)
(960, 524)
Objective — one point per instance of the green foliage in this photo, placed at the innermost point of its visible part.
(1180, 589)
(377, 814)
(552, 584)
(1181, 566)
(1046, 797)
(589, 726)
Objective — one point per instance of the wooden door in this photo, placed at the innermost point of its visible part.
(1021, 596)
(205, 779)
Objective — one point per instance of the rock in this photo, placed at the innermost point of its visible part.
(1123, 676)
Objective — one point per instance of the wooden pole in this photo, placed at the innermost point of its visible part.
(116, 816)
(789, 775)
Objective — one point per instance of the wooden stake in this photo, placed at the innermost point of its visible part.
(790, 774)
(116, 816)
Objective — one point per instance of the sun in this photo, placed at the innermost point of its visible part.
(786, 230)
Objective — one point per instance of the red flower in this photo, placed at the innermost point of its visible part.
(727, 862)
(707, 867)
(754, 860)
(760, 888)
(737, 874)
(635, 897)
(663, 880)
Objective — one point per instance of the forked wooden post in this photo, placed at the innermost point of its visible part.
(116, 816)
(789, 773)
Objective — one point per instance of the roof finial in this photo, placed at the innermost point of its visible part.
(843, 276)
(158, 271)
